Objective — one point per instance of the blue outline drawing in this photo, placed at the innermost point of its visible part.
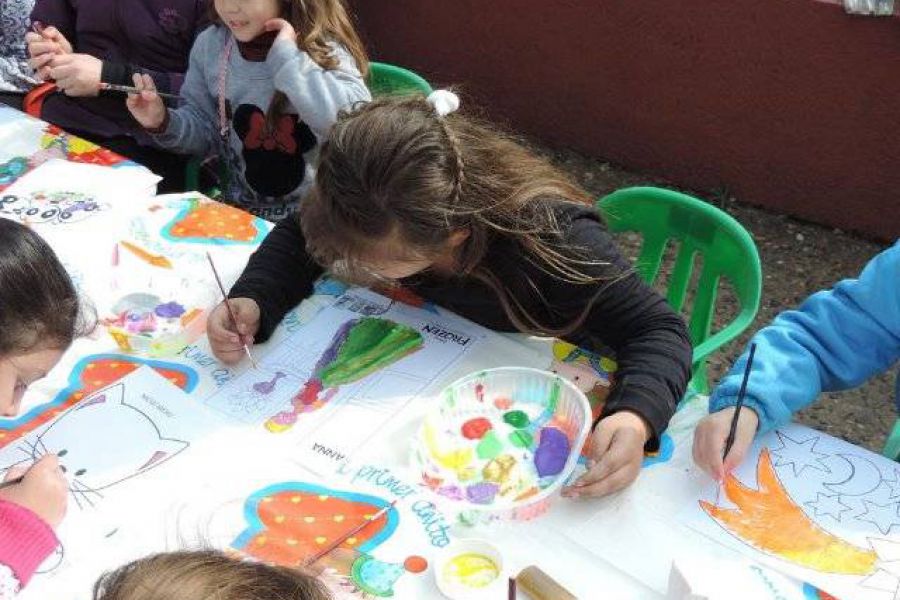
(76, 384)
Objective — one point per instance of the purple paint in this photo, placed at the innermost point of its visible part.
(482, 493)
(552, 452)
(169, 310)
(340, 336)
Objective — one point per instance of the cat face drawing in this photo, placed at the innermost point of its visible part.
(101, 442)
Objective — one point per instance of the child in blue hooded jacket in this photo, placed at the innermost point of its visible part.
(836, 340)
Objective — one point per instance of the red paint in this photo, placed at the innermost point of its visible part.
(479, 392)
(415, 564)
(474, 429)
(786, 104)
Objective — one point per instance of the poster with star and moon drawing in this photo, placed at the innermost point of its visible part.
(814, 507)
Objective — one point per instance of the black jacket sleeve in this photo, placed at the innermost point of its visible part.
(651, 341)
(279, 275)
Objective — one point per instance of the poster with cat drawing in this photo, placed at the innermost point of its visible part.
(120, 437)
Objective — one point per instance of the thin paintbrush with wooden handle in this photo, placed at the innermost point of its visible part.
(368, 521)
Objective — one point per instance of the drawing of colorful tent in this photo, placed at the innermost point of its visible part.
(359, 348)
(209, 222)
(291, 521)
(770, 521)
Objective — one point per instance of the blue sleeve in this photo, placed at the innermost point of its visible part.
(836, 340)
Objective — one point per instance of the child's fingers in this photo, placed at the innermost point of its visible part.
(40, 61)
(615, 481)
(15, 472)
(275, 24)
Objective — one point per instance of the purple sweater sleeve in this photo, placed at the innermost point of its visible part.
(58, 13)
(25, 540)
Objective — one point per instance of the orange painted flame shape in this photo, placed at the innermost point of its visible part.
(769, 520)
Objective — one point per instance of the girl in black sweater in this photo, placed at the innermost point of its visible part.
(410, 193)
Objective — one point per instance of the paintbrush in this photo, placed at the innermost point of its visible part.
(511, 593)
(228, 307)
(127, 89)
(729, 441)
(331, 547)
(13, 481)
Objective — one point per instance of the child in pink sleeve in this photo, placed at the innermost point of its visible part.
(40, 316)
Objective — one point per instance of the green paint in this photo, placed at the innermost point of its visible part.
(489, 447)
(517, 419)
(554, 396)
(521, 439)
(371, 344)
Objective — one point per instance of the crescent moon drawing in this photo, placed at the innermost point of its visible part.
(864, 477)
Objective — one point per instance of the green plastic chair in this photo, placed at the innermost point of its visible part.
(725, 246)
(391, 80)
(383, 80)
(892, 445)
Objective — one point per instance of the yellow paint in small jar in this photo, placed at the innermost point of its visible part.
(471, 570)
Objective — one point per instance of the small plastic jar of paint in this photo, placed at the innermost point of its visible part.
(470, 569)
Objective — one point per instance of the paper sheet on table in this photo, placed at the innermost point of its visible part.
(123, 436)
(814, 507)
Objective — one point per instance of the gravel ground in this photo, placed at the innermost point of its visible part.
(798, 259)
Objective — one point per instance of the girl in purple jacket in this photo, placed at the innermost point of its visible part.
(80, 43)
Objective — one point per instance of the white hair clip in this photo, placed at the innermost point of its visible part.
(444, 102)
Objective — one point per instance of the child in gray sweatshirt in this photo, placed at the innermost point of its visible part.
(260, 92)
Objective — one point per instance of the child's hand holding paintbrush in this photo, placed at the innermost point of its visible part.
(232, 325)
(42, 489)
(722, 439)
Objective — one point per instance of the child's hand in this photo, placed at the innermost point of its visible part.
(76, 74)
(226, 343)
(617, 451)
(44, 491)
(285, 30)
(43, 47)
(710, 437)
(147, 107)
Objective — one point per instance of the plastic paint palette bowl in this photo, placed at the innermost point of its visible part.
(502, 442)
(150, 325)
(470, 569)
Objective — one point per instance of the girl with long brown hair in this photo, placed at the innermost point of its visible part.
(264, 85)
(410, 193)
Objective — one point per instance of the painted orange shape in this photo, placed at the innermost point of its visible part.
(770, 521)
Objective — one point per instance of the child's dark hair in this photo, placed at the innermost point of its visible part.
(393, 170)
(39, 306)
(317, 23)
(206, 575)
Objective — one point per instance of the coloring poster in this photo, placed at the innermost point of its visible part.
(337, 380)
(814, 507)
(254, 504)
(26, 143)
(118, 436)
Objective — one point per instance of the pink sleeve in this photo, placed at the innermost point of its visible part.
(25, 540)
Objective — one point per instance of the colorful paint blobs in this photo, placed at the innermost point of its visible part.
(474, 429)
(552, 452)
(50, 207)
(209, 222)
(358, 348)
(516, 418)
(482, 493)
(90, 374)
(521, 439)
(471, 570)
(489, 447)
(376, 577)
(12, 169)
(770, 521)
